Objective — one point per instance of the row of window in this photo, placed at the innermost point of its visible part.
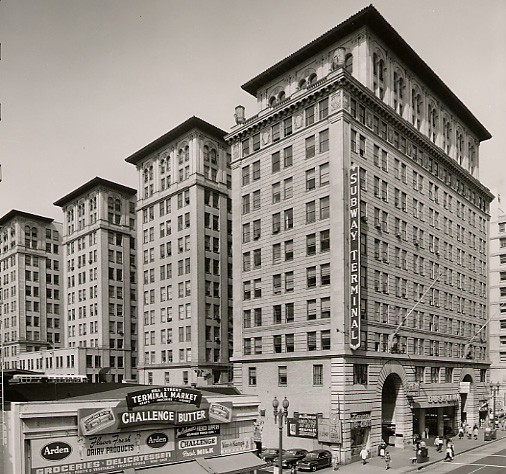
(317, 372)
(287, 343)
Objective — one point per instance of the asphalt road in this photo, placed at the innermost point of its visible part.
(489, 459)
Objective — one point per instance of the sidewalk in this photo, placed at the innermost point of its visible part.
(401, 458)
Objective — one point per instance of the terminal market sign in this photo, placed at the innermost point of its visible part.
(163, 394)
(354, 257)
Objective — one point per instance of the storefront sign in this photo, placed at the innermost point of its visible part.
(101, 453)
(445, 398)
(164, 394)
(195, 447)
(412, 389)
(360, 420)
(303, 425)
(241, 445)
(354, 263)
(328, 431)
(199, 430)
(112, 420)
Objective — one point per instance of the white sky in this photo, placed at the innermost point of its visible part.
(83, 84)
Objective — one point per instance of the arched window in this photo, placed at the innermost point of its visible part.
(273, 101)
(146, 175)
(472, 158)
(378, 75)
(206, 153)
(447, 135)
(312, 79)
(432, 121)
(28, 231)
(162, 166)
(398, 93)
(302, 84)
(348, 63)
(186, 153)
(281, 96)
(416, 108)
(180, 156)
(212, 156)
(459, 145)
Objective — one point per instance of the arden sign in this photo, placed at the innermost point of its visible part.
(164, 394)
(354, 263)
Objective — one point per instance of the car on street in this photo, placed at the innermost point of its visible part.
(315, 460)
(269, 454)
(291, 457)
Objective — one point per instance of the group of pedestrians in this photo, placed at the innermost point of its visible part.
(382, 451)
(464, 430)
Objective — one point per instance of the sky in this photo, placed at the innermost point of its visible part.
(86, 83)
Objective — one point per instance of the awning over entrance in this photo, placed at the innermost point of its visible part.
(233, 464)
(432, 405)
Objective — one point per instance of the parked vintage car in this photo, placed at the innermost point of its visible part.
(315, 460)
(269, 454)
(291, 457)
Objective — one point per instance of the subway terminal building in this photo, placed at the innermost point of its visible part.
(360, 258)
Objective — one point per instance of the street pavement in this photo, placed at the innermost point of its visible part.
(401, 458)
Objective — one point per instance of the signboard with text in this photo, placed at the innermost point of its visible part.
(164, 394)
(102, 453)
(303, 425)
(354, 257)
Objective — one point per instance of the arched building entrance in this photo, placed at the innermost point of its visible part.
(395, 427)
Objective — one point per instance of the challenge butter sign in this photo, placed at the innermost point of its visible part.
(163, 394)
(354, 264)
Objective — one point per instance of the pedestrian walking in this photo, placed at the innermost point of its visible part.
(475, 431)
(461, 432)
(387, 459)
(449, 453)
(438, 444)
(364, 454)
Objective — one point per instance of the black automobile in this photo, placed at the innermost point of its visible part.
(291, 457)
(269, 454)
(315, 460)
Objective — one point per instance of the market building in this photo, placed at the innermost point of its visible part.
(125, 429)
(360, 250)
(184, 256)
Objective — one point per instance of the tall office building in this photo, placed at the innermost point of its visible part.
(184, 257)
(100, 278)
(30, 287)
(497, 303)
(360, 251)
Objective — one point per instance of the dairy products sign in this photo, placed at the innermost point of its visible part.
(193, 447)
(101, 453)
(164, 394)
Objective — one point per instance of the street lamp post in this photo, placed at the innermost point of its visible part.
(495, 390)
(280, 416)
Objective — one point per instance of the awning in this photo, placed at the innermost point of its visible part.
(233, 464)
(180, 468)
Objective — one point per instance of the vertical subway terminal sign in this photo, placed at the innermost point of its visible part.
(354, 257)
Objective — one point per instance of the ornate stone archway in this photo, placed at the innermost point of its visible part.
(469, 403)
(394, 404)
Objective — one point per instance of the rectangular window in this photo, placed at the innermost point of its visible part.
(256, 142)
(252, 376)
(310, 147)
(288, 157)
(310, 115)
(360, 374)
(323, 107)
(276, 162)
(282, 375)
(318, 374)
(324, 141)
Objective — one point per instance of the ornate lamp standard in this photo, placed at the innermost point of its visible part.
(495, 390)
(280, 416)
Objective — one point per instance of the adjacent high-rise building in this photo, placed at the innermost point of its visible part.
(497, 305)
(31, 295)
(184, 256)
(99, 240)
(360, 250)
